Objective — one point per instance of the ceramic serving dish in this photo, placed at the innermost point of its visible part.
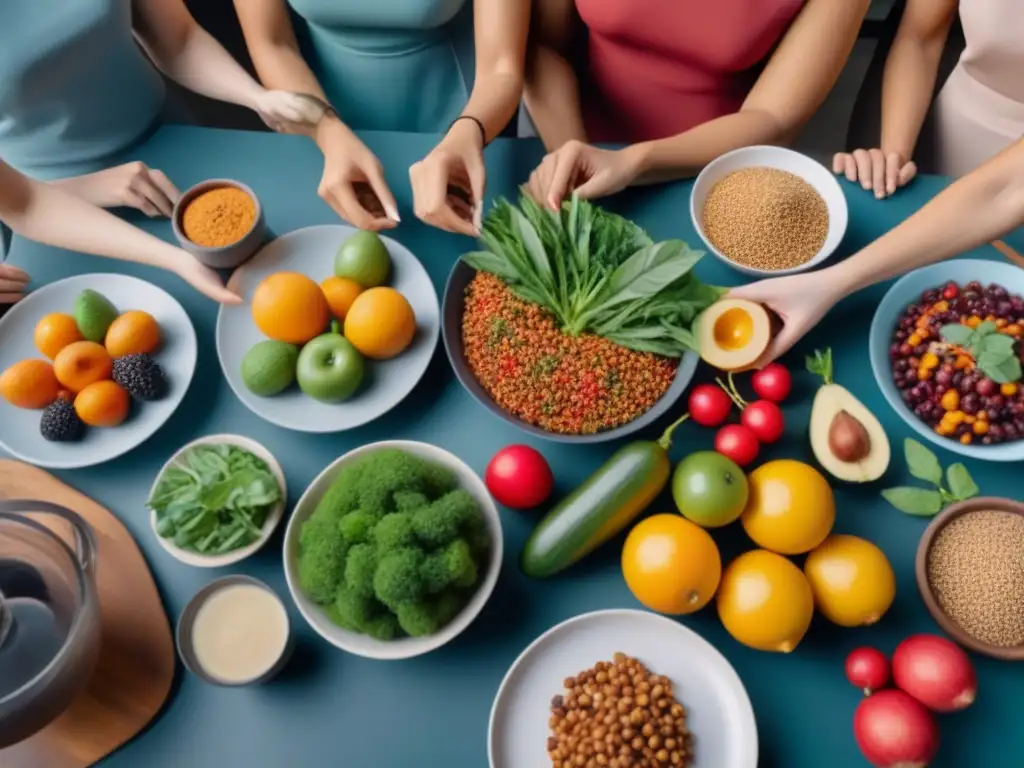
(274, 515)
(406, 647)
(227, 256)
(906, 291)
(811, 171)
(949, 626)
(311, 252)
(454, 305)
(19, 428)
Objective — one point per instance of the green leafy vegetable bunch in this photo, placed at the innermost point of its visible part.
(596, 272)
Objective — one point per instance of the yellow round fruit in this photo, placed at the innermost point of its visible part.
(380, 323)
(765, 602)
(852, 580)
(671, 565)
(791, 508)
(340, 293)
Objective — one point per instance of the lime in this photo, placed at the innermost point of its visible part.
(364, 258)
(269, 367)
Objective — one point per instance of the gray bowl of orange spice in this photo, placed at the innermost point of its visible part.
(970, 571)
(220, 222)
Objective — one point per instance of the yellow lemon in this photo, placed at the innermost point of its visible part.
(852, 580)
(791, 508)
(765, 602)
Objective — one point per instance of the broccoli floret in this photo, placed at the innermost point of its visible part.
(447, 606)
(384, 626)
(417, 619)
(434, 573)
(397, 579)
(409, 501)
(321, 558)
(389, 471)
(343, 494)
(461, 565)
(394, 531)
(360, 567)
(438, 480)
(357, 527)
(353, 611)
(441, 522)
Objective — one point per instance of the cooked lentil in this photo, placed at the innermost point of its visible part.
(561, 383)
(618, 715)
(766, 218)
(219, 217)
(976, 570)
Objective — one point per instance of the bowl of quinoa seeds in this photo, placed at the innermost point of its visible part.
(972, 563)
(557, 382)
(765, 219)
(618, 714)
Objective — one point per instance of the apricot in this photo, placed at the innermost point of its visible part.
(102, 404)
(29, 384)
(54, 332)
(83, 363)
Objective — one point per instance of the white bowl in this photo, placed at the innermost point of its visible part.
(274, 515)
(405, 647)
(811, 171)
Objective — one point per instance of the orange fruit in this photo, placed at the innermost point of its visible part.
(671, 565)
(80, 364)
(102, 404)
(790, 509)
(340, 293)
(852, 580)
(54, 332)
(290, 307)
(380, 323)
(133, 333)
(29, 384)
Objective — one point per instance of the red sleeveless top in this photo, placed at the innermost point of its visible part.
(655, 68)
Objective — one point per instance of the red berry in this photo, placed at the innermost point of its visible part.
(738, 443)
(709, 405)
(773, 382)
(764, 418)
(867, 669)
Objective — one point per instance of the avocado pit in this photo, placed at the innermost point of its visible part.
(848, 439)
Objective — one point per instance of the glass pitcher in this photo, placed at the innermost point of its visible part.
(49, 615)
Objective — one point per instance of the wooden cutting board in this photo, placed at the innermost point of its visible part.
(137, 657)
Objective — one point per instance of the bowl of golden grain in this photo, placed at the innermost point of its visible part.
(768, 211)
(220, 222)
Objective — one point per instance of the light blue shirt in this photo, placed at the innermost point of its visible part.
(74, 86)
(392, 65)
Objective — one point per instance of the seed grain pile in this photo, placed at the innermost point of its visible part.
(976, 569)
(766, 218)
(561, 383)
(618, 715)
(219, 217)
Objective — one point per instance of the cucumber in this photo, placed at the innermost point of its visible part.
(604, 504)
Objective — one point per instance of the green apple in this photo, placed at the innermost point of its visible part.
(363, 257)
(709, 489)
(330, 369)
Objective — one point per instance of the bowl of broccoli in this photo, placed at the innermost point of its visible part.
(393, 550)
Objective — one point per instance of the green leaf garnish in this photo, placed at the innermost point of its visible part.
(924, 465)
(961, 484)
(993, 352)
(821, 364)
(924, 502)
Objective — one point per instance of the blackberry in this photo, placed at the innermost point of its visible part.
(60, 423)
(141, 376)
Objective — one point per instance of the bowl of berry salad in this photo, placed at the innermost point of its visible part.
(947, 350)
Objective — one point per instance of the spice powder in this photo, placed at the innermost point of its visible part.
(219, 217)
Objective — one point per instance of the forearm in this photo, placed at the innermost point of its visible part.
(907, 86)
(552, 98)
(494, 99)
(977, 209)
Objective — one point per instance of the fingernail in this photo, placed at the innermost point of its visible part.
(879, 194)
(478, 217)
(392, 213)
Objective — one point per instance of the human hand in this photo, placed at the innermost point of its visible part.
(875, 170)
(800, 301)
(203, 279)
(353, 180)
(448, 184)
(12, 284)
(283, 111)
(584, 169)
(133, 185)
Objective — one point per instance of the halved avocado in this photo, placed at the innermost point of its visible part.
(734, 333)
(846, 438)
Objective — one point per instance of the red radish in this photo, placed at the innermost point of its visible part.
(894, 730)
(773, 382)
(764, 418)
(936, 672)
(709, 406)
(519, 477)
(738, 443)
(868, 669)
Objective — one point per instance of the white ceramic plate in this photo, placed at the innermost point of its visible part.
(718, 711)
(19, 429)
(274, 515)
(311, 252)
(406, 647)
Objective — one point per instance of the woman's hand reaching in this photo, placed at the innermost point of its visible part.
(588, 171)
(285, 112)
(132, 185)
(878, 171)
(12, 284)
(448, 184)
(353, 180)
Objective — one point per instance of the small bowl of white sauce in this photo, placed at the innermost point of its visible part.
(234, 632)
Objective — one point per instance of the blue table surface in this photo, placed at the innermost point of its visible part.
(331, 708)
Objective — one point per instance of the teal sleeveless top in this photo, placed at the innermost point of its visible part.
(390, 65)
(74, 86)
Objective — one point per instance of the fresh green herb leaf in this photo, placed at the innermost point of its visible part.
(961, 484)
(821, 364)
(958, 334)
(994, 352)
(924, 502)
(1006, 372)
(984, 329)
(922, 463)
